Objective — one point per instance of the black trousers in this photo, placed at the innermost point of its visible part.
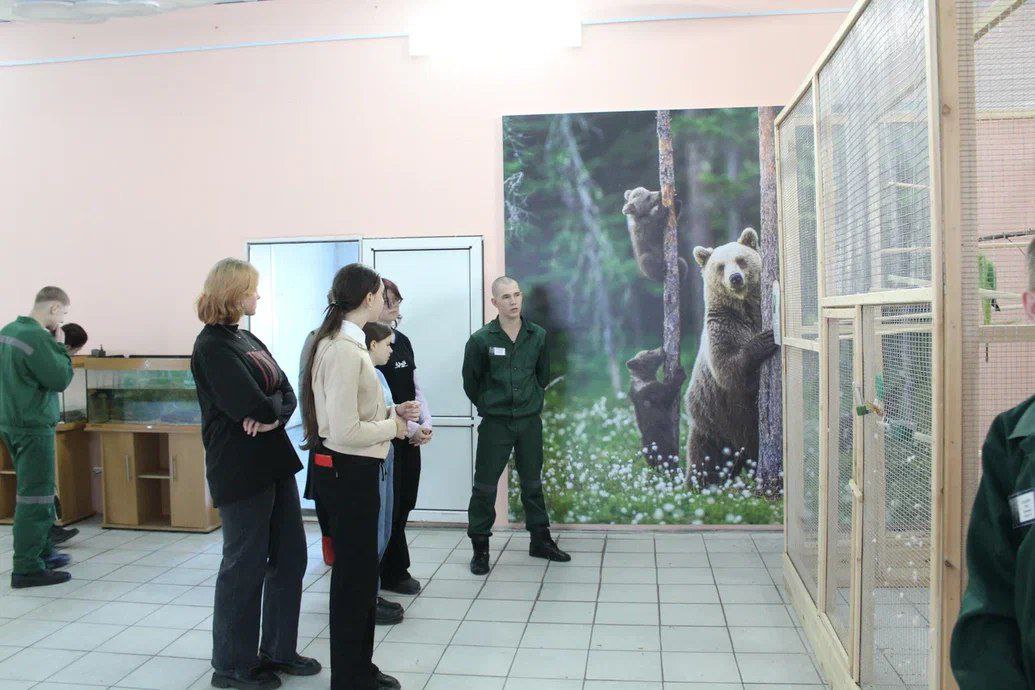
(264, 561)
(348, 492)
(395, 565)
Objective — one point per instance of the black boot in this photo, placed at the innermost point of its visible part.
(384, 680)
(387, 614)
(59, 535)
(480, 562)
(40, 579)
(543, 546)
(255, 679)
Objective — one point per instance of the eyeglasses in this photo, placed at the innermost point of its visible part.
(392, 304)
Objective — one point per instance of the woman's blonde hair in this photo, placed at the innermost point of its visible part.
(227, 284)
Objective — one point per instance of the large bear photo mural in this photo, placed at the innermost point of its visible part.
(663, 405)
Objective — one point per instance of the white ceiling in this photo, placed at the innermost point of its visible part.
(91, 11)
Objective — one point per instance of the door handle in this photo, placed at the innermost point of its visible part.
(172, 468)
(128, 477)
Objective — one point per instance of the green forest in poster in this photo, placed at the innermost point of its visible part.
(568, 244)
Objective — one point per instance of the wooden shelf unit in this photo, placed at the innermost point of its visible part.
(72, 476)
(154, 478)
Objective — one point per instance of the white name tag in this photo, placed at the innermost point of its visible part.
(498, 351)
(1022, 505)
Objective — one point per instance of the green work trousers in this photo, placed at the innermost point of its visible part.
(33, 456)
(497, 438)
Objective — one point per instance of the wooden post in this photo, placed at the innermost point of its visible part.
(770, 408)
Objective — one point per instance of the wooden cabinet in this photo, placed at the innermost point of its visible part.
(72, 478)
(154, 478)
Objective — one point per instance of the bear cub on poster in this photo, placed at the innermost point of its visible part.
(722, 399)
(647, 219)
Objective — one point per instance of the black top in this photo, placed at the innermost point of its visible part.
(236, 377)
(399, 370)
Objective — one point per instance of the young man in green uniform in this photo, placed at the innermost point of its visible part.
(505, 373)
(34, 368)
(993, 645)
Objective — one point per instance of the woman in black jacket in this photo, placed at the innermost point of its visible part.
(250, 464)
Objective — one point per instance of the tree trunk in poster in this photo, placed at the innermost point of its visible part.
(770, 403)
(657, 402)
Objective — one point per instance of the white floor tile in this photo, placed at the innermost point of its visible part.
(500, 610)
(628, 576)
(569, 591)
(692, 614)
(175, 616)
(757, 615)
(765, 641)
(627, 614)
(36, 664)
(577, 612)
(489, 634)
(557, 636)
(154, 593)
(517, 573)
(99, 668)
(444, 682)
(139, 640)
(407, 656)
(167, 673)
(106, 591)
(182, 576)
(80, 636)
(685, 576)
(452, 589)
(549, 663)
(134, 573)
(695, 639)
(446, 609)
(520, 591)
(567, 573)
(193, 644)
(625, 593)
(699, 668)
(625, 637)
(623, 665)
(425, 631)
(749, 594)
(475, 661)
(20, 633)
(541, 684)
(65, 610)
(777, 668)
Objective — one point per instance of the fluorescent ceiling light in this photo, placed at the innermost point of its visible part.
(495, 26)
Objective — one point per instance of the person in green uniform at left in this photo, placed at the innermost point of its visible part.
(505, 373)
(34, 368)
(993, 644)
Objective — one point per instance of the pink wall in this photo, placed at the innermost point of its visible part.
(123, 180)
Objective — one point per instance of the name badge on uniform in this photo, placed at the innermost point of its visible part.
(498, 351)
(1022, 505)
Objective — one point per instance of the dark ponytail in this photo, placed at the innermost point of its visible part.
(352, 284)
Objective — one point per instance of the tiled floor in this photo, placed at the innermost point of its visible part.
(632, 611)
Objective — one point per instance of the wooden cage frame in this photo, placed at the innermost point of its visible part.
(947, 294)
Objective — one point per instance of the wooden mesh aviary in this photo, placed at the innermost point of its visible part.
(905, 212)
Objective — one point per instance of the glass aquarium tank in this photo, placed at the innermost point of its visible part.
(73, 399)
(141, 390)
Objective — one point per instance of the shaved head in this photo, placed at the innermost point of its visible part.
(501, 284)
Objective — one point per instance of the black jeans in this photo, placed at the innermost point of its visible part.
(264, 560)
(395, 565)
(349, 494)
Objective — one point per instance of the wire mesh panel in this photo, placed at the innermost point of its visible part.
(874, 153)
(896, 542)
(801, 465)
(840, 447)
(798, 220)
(997, 122)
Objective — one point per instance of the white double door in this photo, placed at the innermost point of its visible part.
(440, 280)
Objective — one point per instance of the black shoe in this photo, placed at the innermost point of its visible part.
(384, 680)
(299, 666)
(255, 679)
(407, 586)
(480, 561)
(387, 615)
(56, 559)
(543, 546)
(59, 535)
(40, 579)
(389, 603)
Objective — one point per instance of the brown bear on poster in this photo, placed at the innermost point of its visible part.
(647, 219)
(722, 399)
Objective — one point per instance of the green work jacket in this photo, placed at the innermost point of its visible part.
(993, 644)
(506, 378)
(34, 368)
